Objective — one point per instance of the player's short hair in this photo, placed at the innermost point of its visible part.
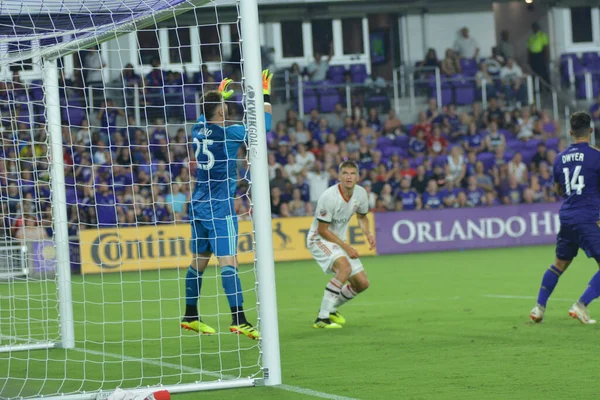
(348, 164)
(580, 124)
(210, 103)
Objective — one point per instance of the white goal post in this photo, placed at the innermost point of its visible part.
(62, 337)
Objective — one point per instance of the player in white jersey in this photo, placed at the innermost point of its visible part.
(326, 241)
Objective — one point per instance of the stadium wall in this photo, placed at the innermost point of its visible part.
(439, 30)
(167, 246)
(466, 228)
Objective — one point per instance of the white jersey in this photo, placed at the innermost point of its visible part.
(333, 208)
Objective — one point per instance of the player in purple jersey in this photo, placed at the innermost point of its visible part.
(577, 179)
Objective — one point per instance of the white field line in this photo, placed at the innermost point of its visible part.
(184, 368)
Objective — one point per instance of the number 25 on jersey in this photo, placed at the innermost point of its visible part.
(202, 148)
(575, 183)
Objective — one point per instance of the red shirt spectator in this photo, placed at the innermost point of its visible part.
(436, 144)
(406, 171)
(422, 124)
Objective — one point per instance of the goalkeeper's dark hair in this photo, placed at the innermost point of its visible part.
(580, 124)
(210, 103)
(348, 164)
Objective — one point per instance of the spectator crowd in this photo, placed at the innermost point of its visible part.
(445, 159)
(119, 174)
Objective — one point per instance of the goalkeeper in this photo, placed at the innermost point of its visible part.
(212, 214)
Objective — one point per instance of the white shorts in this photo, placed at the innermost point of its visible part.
(325, 253)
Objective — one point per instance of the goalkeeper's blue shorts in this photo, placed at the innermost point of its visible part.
(218, 236)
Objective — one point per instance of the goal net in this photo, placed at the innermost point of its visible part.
(97, 170)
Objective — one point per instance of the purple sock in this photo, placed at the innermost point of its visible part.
(549, 282)
(592, 291)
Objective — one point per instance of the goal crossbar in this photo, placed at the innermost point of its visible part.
(94, 35)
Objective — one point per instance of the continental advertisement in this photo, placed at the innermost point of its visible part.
(168, 246)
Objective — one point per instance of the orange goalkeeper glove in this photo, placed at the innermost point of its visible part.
(223, 88)
(267, 76)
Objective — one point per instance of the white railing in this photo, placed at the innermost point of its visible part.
(405, 81)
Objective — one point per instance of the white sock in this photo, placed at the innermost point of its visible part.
(346, 294)
(332, 292)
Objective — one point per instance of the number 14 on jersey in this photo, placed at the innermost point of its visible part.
(575, 183)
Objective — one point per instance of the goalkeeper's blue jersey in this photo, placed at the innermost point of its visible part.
(216, 149)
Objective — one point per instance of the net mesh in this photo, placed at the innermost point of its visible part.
(127, 103)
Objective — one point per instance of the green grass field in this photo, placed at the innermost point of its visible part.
(432, 326)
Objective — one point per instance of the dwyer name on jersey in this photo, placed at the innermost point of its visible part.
(336, 210)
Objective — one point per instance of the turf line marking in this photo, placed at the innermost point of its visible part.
(310, 392)
(288, 388)
(514, 297)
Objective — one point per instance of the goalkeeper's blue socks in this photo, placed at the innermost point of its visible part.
(233, 291)
(549, 282)
(193, 284)
(592, 291)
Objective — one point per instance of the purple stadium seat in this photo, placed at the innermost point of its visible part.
(329, 98)
(487, 159)
(446, 95)
(532, 144)
(464, 94)
(552, 143)
(74, 115)
(508, 155)
(190, 112)
(387, 151)
(384, 142)
(336, 73)
(508, 135)
(527, 156)
(310, 101)
(440, 160)
(402, 141)
(590, 59)
(515, 145)
(358, 72)
(218, 75)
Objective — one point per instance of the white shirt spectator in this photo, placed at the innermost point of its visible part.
(511, 74)
(292, 170)
(518, 171)
(100, 158)
(302, 137)
(320, 70)
(93, 64)
(455, 168)
(526, 130)
(305, 161)
(317, 184)
(465, 47)
(493, 66)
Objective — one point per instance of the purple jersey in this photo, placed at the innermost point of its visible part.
(408, 199)
(312, 126)
(121, 181)
(475, 197)
(433, 201)
(577, 170)
(343, 133)
(304, 191)
(418, 146)
(515, 195)
(105, 209)
(475, 140)
(161, 213)
(450, 195)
